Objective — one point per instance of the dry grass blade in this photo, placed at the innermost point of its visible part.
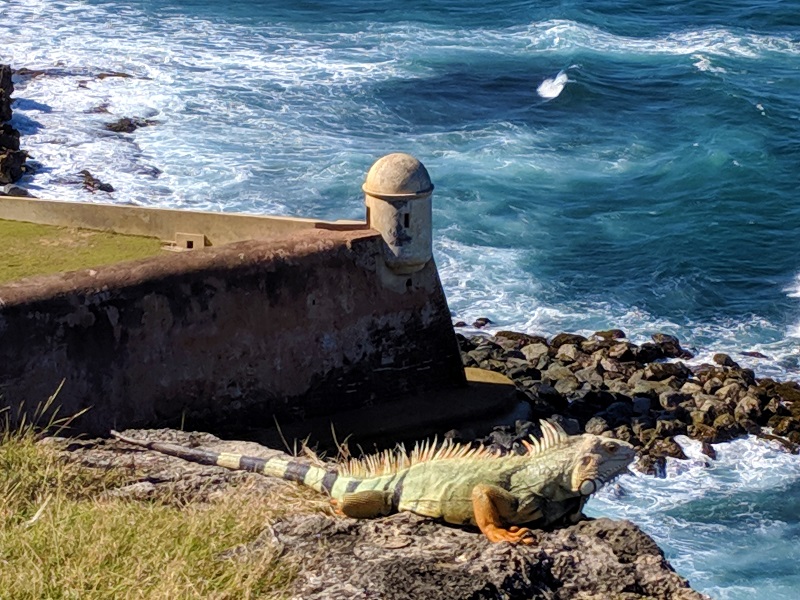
(64, 534)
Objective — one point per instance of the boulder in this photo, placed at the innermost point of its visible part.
(566, 338)
(661, 371)
(568, 353)
(6, 90)
(129, 125)
(9, 137)
(670, 346)
(724, 360)
(522, 339)
(12, 165)
(406, 556)
(14, 190)
(93, 184)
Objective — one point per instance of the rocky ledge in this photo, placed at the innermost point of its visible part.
(404, 556)
(12, 159)
(644, 394)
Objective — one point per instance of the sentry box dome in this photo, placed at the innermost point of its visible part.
(397, 193)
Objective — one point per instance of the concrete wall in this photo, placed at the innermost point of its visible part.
(306, 325)
(161, 223)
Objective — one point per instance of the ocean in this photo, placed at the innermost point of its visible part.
(598, 164)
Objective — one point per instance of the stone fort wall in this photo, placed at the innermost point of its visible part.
(311, 319)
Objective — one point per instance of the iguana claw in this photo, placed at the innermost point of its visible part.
(514, 534)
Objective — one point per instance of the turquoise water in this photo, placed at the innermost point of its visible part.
(597, 164)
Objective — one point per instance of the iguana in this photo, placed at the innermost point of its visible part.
(457, 483)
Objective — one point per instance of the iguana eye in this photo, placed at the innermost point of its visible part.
(610, 448)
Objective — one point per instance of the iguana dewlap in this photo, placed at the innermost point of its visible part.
(456, 483)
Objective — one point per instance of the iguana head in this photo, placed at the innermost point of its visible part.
(598, 460)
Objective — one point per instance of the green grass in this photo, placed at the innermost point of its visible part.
(30, 249)
(61, 537)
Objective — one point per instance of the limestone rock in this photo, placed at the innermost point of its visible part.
(533, 352)
(406, 556)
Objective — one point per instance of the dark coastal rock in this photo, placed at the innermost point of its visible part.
(12, 165)
(6, 91)
(521, 339)
(610, 334)
(128, 124)
(482, 322)
(29, 73)
(724, 360)
(101, 108)
(92, 184)
(9, 137)
(670, 345)
(661, 371)
(12, 159)
(566, 338)
(107, 74)
(14, 190)
(582, 379)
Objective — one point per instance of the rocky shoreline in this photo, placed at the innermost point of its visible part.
(603, 383)
(12, 159)
(644, 394)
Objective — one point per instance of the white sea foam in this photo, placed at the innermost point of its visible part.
(552, 88)
(709, 514)
(793, 291)
(715, 41)
(221, 93)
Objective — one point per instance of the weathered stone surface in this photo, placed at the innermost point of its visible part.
(533, 352)
(724, 360)
(596, 426)
(522, 339)
(93, 184)
(228, 335)
(566, 338)
(9, 137)
(6, 90)
(590, 375)
(14, 190)
(662, 371)
(622, 352)
(610, 334)
(568, 353)
(710, 402)
(411, 557)
(128, 124)
(670, 345)
(12, 165)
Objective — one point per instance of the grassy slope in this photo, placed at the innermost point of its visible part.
(87, 545)
(29, 249)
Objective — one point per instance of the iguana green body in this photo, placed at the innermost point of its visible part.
(455, 483)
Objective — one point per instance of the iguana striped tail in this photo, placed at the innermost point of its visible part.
(279, 465)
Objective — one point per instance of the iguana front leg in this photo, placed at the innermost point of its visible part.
(494, 507)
